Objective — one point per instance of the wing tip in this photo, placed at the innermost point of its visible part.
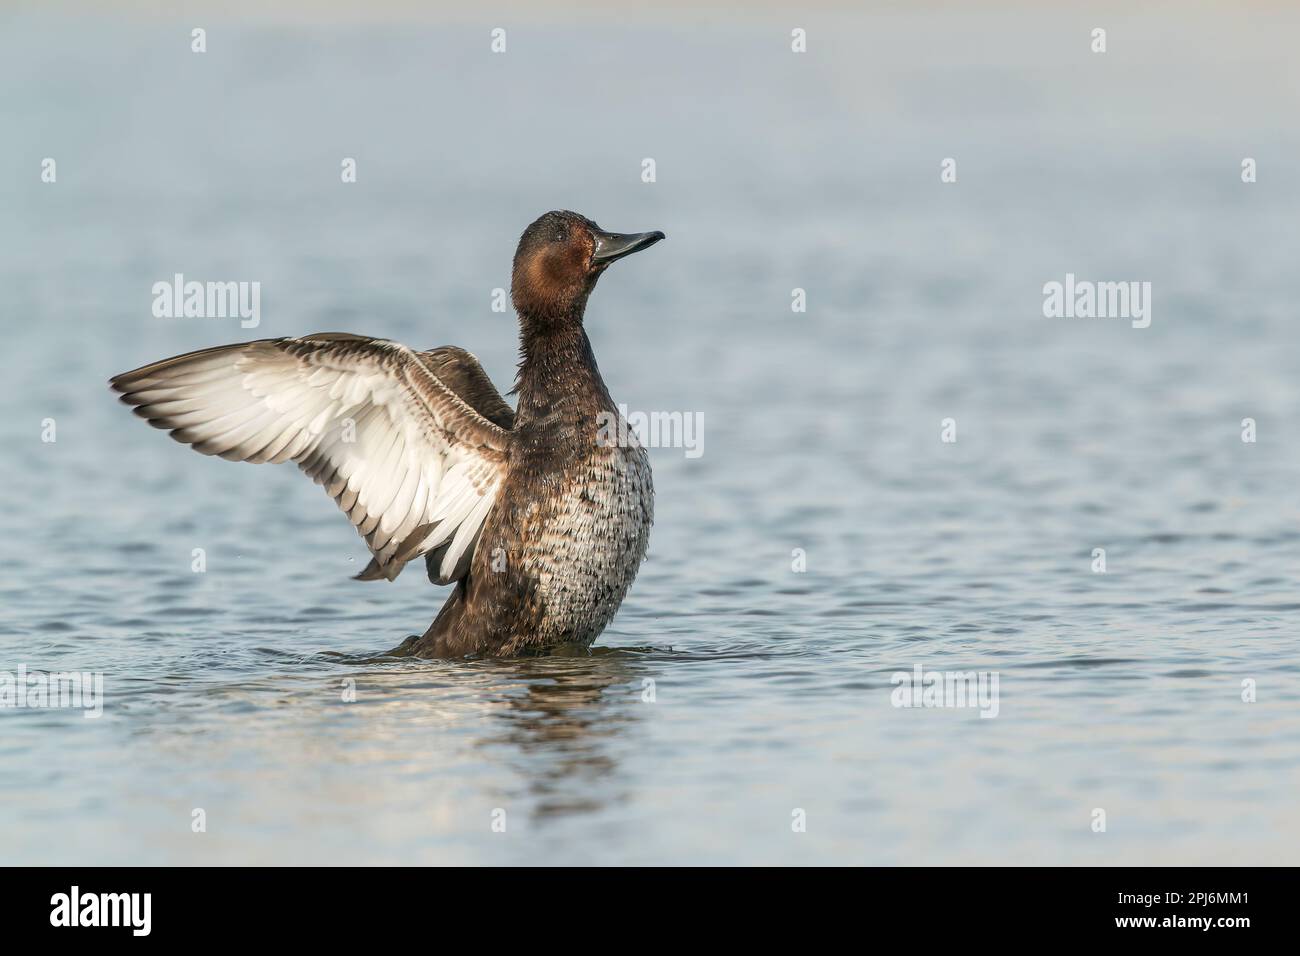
(374, 571)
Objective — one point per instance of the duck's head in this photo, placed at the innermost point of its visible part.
(559, 259)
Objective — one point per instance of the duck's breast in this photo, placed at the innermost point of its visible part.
(593, 537)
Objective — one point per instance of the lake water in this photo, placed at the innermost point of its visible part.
(771, 687)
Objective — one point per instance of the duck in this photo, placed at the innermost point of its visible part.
(538, 515)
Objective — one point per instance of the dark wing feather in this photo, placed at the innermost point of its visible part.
(461, 372)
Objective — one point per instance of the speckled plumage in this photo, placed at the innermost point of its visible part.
(537, 516)
(570, 527)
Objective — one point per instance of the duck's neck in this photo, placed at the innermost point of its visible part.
(558, 377)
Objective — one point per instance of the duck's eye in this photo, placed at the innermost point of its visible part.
(561, 236)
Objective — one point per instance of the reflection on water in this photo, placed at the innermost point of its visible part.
(825, 540)
(558, 731)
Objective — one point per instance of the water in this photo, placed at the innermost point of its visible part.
(771, 688)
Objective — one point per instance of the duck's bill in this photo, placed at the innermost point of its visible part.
(612, 246)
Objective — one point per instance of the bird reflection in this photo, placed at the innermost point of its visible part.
(565, 729)
(558, 722)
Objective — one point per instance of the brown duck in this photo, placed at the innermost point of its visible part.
(540, 516)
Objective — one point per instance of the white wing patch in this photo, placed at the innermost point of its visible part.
(413, 467)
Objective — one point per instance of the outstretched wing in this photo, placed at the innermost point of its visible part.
(415, 467)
